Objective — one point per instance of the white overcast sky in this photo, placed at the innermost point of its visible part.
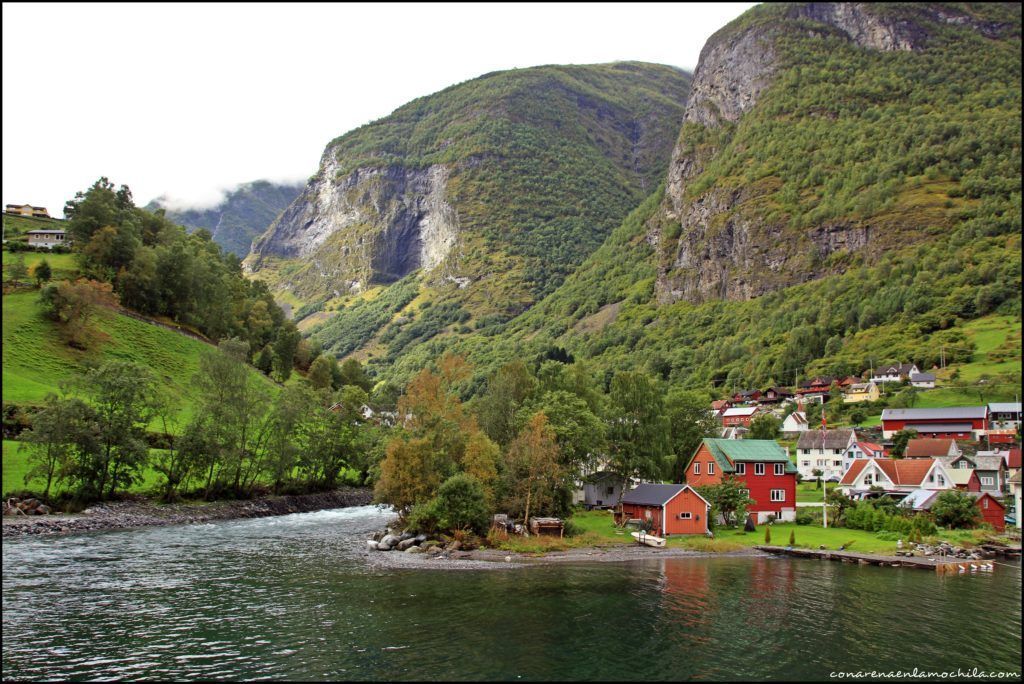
(186, 99)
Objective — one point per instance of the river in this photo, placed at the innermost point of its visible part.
(293, 598)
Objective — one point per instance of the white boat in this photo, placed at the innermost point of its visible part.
(649, 539)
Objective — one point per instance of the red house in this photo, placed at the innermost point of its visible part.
(761, 464)
(739, 415)
(992, 510)
(670, 508)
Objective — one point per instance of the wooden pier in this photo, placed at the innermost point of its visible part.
(935, 564)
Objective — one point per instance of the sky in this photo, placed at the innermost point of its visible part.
(185, 100)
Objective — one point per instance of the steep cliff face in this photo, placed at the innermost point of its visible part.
(493, 189)
(244, 213)
(722, 235)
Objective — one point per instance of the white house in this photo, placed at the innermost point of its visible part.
(862, 450)
(823, 450)
(894, 373)
(897, 477)
(795, 422)
(1004, 416)
(923, 380)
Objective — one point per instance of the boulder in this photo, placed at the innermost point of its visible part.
(455, 546)
(43, 509)
(405, 544)
(372, 545)
(389, 540)
(433, 550)
(406, 536)
(420, 538)
(414, 549)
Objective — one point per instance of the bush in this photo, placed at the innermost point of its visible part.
(461, 504)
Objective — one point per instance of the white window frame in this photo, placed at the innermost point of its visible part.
(987, 480)
(711, 468)
(778, 496)
(759, 467)
(780, 468)
(696, 468)
(686, 515)
(741, 468)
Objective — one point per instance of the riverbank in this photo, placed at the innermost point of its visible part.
(116, 515)
(497, 559)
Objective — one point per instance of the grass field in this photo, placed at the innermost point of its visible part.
(808, 491)
(599, 525)
(36, 359)
(62, 266)
(16, 465)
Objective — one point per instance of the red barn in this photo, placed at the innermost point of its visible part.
(761, 464)
(739, 416)
(958, 422)
(671, 508)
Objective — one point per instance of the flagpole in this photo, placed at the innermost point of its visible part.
(824, 488)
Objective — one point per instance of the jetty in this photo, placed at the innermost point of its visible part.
(935, 563)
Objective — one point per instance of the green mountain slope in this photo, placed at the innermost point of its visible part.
(494, 189)
(243, 214)
(856, 203)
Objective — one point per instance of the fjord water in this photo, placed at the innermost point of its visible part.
(294, 598)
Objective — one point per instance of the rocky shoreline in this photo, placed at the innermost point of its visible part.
(495, 559)
(127, 514)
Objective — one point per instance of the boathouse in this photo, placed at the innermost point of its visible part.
(669, 508)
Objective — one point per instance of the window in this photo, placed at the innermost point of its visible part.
(838, 463)
(778, 495)
(869, 479)
(931, 477)
(696, 468)
(806, 464)
(741, 468)
(780, 468)
(711, 468)
(685, 516)
(942, 481)
(987, 481)
(985, 503)
(837, 451)
(962, 465)
(759, 468)
(611, 490)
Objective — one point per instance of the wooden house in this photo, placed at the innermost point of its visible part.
(668, 508)
(954, 422)
(761, 464)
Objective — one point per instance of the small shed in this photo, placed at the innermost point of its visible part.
(669, 508)
(601, 490)
(992, 510)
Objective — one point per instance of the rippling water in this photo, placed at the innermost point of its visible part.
(292, 598)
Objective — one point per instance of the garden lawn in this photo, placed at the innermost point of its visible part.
(808, 491)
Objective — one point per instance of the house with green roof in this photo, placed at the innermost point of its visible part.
(762, 464)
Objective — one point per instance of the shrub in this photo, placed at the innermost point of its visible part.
(461, 504)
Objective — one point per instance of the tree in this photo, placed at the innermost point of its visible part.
(534, 472)
(461, 504)
(285, 346)
(955, 509)
(728, 498)
(690, 421)
(351, 372)
(638, 433)
(52, 439)
(817, 473)
(265, 360)
(764, 426)
(579, 433)
(899, 442)
(74, 305)
(320, 375)
(507, 391)
(17, 270)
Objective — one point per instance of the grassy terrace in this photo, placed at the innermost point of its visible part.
(597, 529)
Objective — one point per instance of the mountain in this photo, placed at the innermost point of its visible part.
(244, 213)
(492, 190)
(845, 188)
(818, 134)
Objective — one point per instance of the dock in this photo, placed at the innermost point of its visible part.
(935, 564)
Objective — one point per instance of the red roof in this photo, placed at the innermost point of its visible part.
(902, 472)
(871, 447)
(1013, 460)
(928, 447)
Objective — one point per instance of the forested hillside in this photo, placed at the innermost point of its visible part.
(494, 190)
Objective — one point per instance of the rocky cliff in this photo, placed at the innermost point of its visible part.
(724, 235)
(496, 187)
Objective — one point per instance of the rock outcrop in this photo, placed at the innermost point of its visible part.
(717, 243)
